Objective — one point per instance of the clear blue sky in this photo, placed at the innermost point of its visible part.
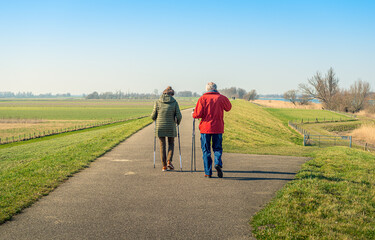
(138, 46)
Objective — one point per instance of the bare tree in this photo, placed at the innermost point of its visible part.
(341, 101)
(252, 95)
(229, 92)
(304, 99)
(241, 93)
(359, 92)
(322, 88)
(291, 96)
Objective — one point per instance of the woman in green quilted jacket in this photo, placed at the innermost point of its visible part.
(166, 113)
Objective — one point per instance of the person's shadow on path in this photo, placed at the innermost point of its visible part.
(243, 178)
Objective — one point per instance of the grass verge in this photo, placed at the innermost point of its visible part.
(332, 196)
(34, 168)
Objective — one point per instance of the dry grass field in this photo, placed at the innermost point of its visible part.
(24, 127)
(365, 134)
(366, 114)
(283, 104)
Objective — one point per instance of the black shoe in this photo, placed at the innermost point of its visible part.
(207, 176)
(219, 171)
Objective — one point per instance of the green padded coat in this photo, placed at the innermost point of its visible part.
(166, 113)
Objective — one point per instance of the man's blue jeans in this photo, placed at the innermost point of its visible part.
(217, 140)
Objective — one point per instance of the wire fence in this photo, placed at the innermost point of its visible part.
(321, 140)
(40, 134)
(367, 147)
(323, 120)
(329, 140)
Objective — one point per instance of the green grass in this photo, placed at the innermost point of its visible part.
(329, 128)
(76, 111)
(31, 169)
(288, 114)
(332, 196)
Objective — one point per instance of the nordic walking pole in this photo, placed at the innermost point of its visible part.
(179, 145)
(195, 162)
(154, 141)
(192, 146)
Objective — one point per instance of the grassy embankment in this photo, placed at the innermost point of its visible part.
(332, 196)
(250, 129)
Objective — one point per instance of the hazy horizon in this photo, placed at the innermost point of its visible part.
(86, 93)
(138, 46)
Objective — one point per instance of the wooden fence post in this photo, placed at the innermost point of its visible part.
(304, 140)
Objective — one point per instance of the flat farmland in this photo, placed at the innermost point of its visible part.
(22, 118)
(73, 109)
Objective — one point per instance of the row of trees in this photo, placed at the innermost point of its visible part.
(122, 95)
(326, 89)
(240, 93)
(31, 95)
(186, 94)
(232, 92)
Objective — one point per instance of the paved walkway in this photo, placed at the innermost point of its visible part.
(121, 196)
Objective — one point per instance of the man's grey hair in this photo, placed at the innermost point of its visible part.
(211, 86)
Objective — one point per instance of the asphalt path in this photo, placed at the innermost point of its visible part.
(122, 196)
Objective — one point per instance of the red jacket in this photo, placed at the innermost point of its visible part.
(210, 108)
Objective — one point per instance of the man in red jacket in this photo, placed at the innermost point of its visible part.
(210, 108)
